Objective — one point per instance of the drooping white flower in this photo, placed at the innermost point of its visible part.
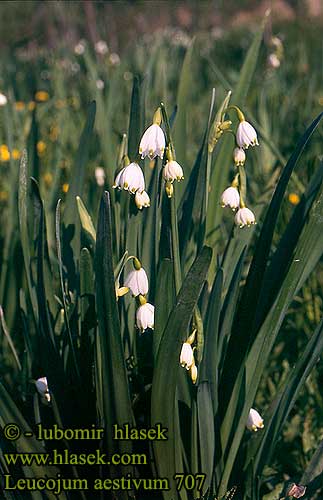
(130, 178)
(273, 61)
(3, 100)
(137, 282)
(142, 199)
(145, 316)
(101, 47)
(152, 143)
(296, 491)
(99, 176)
(42, 388)
(114, 59)
(244, 217)
(246, 135)
(79, 48)
(230, 198)
(239, 157)
(254, 421)
(99, 84)
(173, 171)
(186, 358)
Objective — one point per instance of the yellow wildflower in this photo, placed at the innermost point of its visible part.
(293, 198)
(41, 147)
(16, 154)
(20, 105)
(4, 196)
(53, 134)
(65, 187)
(48, 179)
(4, 153)
(42, 96)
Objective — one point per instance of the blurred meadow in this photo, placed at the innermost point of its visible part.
(80, 83)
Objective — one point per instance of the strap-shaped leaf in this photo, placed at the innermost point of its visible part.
(307, 253)
(243, 329)
(114, 387)
(284, 401)
(167, 366)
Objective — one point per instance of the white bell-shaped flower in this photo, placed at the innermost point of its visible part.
(101, 47)
(273, 61)
(137, 282)
(186, 358)
(153, 142)
(244, 217)
(230, 198)
(3, 100)
(296, 490)
(254, 421)
(130, 178)
(42, 388)
(239, 157)
(145, 316)
(246, 135)
(173, 171)
(142, 199)
(99, 176)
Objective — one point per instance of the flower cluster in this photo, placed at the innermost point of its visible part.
(277, 54)
(137, 282)
(234, 196)
(186, 357)
(153, 144)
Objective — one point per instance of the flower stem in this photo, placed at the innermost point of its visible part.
(240, 115)
(242, 186)
(175, 244)
(173, 212)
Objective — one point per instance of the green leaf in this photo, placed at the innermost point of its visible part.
(71, 224)
(244, 326)
(312, 477)
(114, 387)
(307, 252)
(9, 339)
(283, 255)
(206, 432)
(210, 362)
(11, 414)
(183, 99)
(23, 228)
(164, 381)
(164, 300)
(136, 121)
(77, 174)
(63, 291)
(285, 400)
(86, 220)
(194, 201)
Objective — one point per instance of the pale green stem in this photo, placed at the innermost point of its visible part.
(175, 244)
(242, 185)
(173, 213)
(240, 115)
